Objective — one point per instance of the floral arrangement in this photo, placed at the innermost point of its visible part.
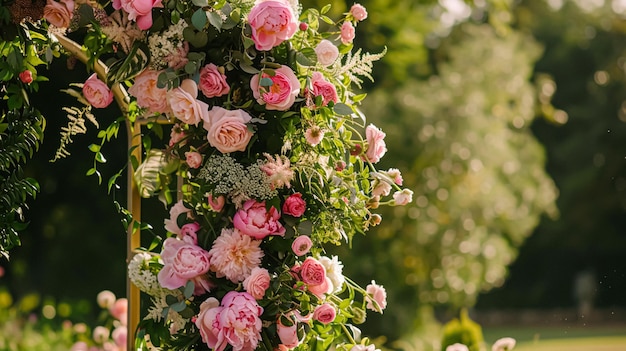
(273, 158)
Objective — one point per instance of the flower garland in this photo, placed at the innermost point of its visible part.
(275, 159)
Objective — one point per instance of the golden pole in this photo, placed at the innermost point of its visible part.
(133, 240)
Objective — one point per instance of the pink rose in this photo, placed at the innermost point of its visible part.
(376, 146)
(148, 94)
(257, 282)
(193, 159)
(97, 92)
(119, 310)
(321, 289)
(358, 12)
(281, 94)
(255, 220)
(234, 322)
(184, 105)
(301, 245)
(403, 197)
(347, 33)
(26, 77)
(395, 174)
(216, 204)
(380, 188)
(227, 129)
(120, 336)
(189, 233)
(213, 81)
(138, 10)
(171, 224)
(327, 53)
(294, 205)
(312, 272)
(288, 335)
(272, 22)
(324, 313)
(376, 297)
(323, 88)
(59, 13)
(182, 261)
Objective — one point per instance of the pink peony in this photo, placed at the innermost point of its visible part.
(235, 255)
(327, 53)
(26, 77)
(255, 220)
(182, 261)
(97, 92)
(184, 105)
(119, 310)
(171, 224)
(403, 197)
(193, 159)
(213, 81)
(281, 94)
(347, 33)
(189, 233)
(324, 313)
(234, 322)
(138, 10)
(148, 94)
(376, 147)
(227, 129)
(301, 245)
(294, 205)
(272, 22)
(257, 282)
(59, 13)
(358, 12)
(323, 88)
(376, 297)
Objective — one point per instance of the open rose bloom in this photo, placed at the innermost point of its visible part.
(267, 161)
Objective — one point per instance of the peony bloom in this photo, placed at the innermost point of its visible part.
(358, 12)
(376, 297)
(255, 220)
(503, 344)
(182, 261)
(403, 197)
(281, 94)
(234, 322)
(138, 10)
(457, 347)
(227, 129)
(327, 53)
(193, 159)
(213, 81)
(324, 313)
(26, 77)
(171, 224)
(189, 233)
(347, 33)
(376, 147)
(257, 282)
(301, 245)
(184, 105)
(235, 255)
(314, 135)
(272, 22)
(59, 13)
(294, 205)
(323, 88)
(97, 92)
(148, 95)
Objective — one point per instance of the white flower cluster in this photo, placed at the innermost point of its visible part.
(167, 44)
(231, 178)
(141, 275)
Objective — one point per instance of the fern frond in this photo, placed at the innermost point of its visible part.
(357, 65)
(76, 125)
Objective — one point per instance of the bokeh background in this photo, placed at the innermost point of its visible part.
(507, 120)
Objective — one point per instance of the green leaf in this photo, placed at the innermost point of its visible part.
(90, 171)
(266, 82)
(200, 3)
(325, 9)
(215, 19)
(94, 147)
(100, 157)
(189, 288)
(342, 109)
(306, 57)
(124, 69)
(199, 18)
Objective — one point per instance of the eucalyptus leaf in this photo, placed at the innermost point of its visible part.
(215, 19)
(199, 19)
